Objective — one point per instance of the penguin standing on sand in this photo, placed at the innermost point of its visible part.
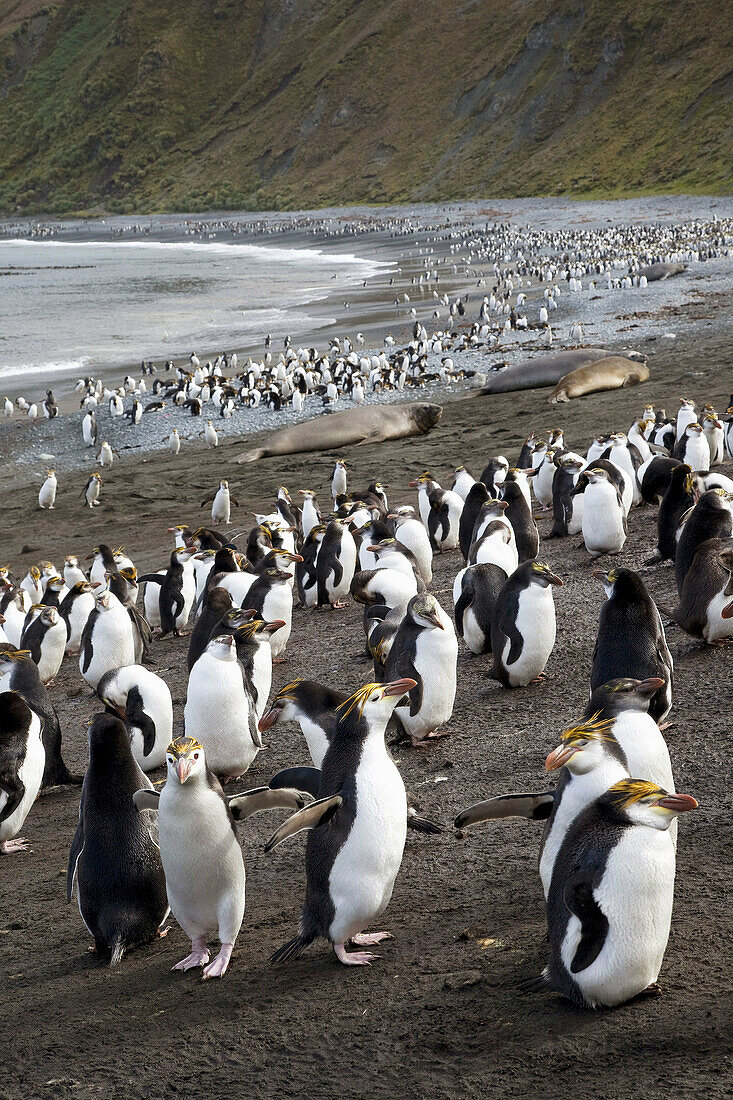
(306, 581)
(19, 673)
(200, 853)
(478, 496)
(176, 593)
(519, 514)
(614, 874)
(711, 518)
(523, 627)
(475, 594)
(426, 648)
(114, 860)
(567, 510)
(22, 760)
(219, 710)
(704, 608)
(338, 479)
(440, 510)
(143, 701)
(692, 448)
(604, 523)
(221, 504)
(358, 828)
(45, 639)
(631, 640)
(678, 499)
(47, 494)
(335, 565)
(92, 491)
(107, 640)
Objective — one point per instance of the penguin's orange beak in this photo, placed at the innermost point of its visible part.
(650, 685)
(183, 769)
(271, 627)
(559, 757)
(679, 803)
(399, 687)
(727, 612)
(268, 719)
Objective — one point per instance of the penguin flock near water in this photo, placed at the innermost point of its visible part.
(147, 849)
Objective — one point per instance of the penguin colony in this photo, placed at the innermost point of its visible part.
(607, 854)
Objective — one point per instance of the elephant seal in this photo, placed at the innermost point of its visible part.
(373, 424)
(655, 272)
(605, 374)
(543, 370)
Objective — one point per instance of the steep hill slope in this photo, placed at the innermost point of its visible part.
(183, 104)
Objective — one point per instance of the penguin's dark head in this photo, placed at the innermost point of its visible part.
(185, 759)
(623, 694)
(236, 617)
(541, 574)
(638, 802)
(424, 610)
(284, 704)
(15, 714)
(49, 616)
(284, 558)
(582, 747)
(107, 731)
(623, 583)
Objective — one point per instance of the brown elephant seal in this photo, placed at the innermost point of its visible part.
(605, 374)
(655, 272)
(544, 369)
(371, 424)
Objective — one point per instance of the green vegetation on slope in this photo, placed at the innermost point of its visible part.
(131, 105)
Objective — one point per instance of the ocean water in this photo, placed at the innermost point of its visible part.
(83, 305)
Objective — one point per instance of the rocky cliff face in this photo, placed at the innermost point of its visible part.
(182, 104)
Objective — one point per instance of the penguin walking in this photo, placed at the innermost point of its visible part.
(19, 673)
(22, 761)
(107, 640)
(335, 565)
(711, 518)
(221, 504)
(114, 860)
(219, 710)
(201, 856)
(47, 494)
(176, 593)
(475, 592)
(614, 874)
(143, 701)
(45, 638)
(604, 523)
(631, 641)
(523, 626)
(704, 607)
(92, 491)
(357, 829)
(425, 649)
(338, 479)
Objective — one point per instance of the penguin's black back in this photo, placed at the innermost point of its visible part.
(710, 519)
(503, 624)
(657, 477)
(519, 514)
(477, 496)
(675, 501)
(705, 578)
(205, 627)
(480, 590)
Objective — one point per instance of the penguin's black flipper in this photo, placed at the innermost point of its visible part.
(146, 799)
(208, 500)
(265, 798)
(534, 807)
(422, 824)
(578, 897)
(86, 640)
(292, 949)
(77, 845)
(301, 779)
(152, 578)
(317, 813)
(508, 626)
(13, 786)
(136, 716)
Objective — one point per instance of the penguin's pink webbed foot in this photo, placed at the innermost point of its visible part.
(199, 955)
(353, 958)
(218, 968)
(278, 660)
(369, 939)
(17, 844)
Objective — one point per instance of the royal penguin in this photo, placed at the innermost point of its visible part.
(219, 602)
(338, 479)
(391, 554)
(310, 515)
(410, 531)
(306, 578)
(114, 860)
(714, 434)
(523, 626)
(22, 762)
(47, 494)
(613, 876)
(254, 653)
(221, 504)
(103, 561)
(567, 509)
(201, 856)
(677, 500)
(704, 608)
(44, 637)
(463, 481)
(219, 710)
(357, 827)
(19, 673)
(13, 610)
(440, 511)
(176, 591)
(494, 473)
(519, 514)
(542, 479)
(335, 565)
(627, 458)
(143, 701)
(108, 639)
(710, 518)
(631, 641)
(92, 491)
(271, 598)
(475, 592)
(692, 448)
(54, 592)
(390, 587)
(495, 547)
(654, 477)
(604, 523)
(32, 586)
(685, 417)
(474, 502)
(314, 707)
(425, 649)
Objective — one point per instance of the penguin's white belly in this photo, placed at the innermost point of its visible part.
(13, 625)
(347, 558)
(80, 610)
(577, 794)
(151, 603)
(697, 453)
(436, 654)
(262, 677)
(315, 739)
(575, 523)
(543, 484)
(716, 626)
(363, 874)
(238, 585)
(188, 592)
(112, 647)
(217, 715)
(278, 604)
(494, 551)
(203, 865)
(458, 585)
(636, 895)
(414, 537)
(31, 774)
(536, 623)
(602, 525)
(473, 635)
(221, 508)
(52, 651)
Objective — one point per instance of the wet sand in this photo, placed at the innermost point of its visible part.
(439, 1014)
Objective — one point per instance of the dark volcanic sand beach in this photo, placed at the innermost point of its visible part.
(439, 1014)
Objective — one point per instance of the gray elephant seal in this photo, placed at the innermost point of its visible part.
(655, 272)
(605, 374)
(543, 370)
(373, 424)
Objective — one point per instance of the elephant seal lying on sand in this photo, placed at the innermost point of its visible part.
(372, 424)
(543, 370)
(605, 374)
(655, 272)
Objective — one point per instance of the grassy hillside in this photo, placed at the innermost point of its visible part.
(197, 104)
